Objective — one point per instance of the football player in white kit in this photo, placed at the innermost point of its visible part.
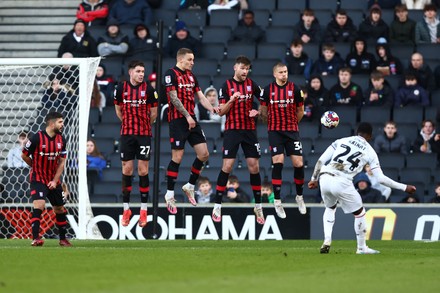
(335, 169)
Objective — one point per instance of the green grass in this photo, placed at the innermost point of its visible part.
(218, 266)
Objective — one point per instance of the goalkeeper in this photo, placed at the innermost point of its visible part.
(46, 154)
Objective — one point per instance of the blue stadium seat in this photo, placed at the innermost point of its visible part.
(408, 114)
(285, 18)
(112, 174)
(375, 114)
(347, 114)
(350, 4)
(216, 34)
(324, 16)
(213, 51)
(105, 145)
(192, 17)
(289, 4)
(235, 49)
(344, 129)
(409, 130)
(392, 173)
(204, 66)
(109, 116)
(262, 17)
(166, 15)
(272, 51)
(391, 160)
(107, 130)
(318, 4)
(268, 5)
(222, 17)
(309, 130)
(422, 160)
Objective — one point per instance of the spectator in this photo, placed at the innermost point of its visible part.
(203, 114)
(416, 4)
(204, 194)
(267, 194)
(143, 42)
(78, 42)
(359, 60)
(57, 97)
(386, 62)
(93, 12)
(341, 28)
(428, 29)
(411, 93)
(384, 190)
(113, 42)
(422, 71)
(390, 141)
(98, 99)
(95, 160)
(247, 31)
(228, 4)
(367, 193)
(234, 194)
(345, 92)
(131, 12)
(152, 78)
(428, 141)
(402, 28)
(67, 75)
(298, 62)
(14, 154)
(379, 92)
(315, 100)
(373, 27)
(411, 198)
(307, 29)
(329, 62)
(182, 39)
(384, 4)
(106, 85)
(436, 198)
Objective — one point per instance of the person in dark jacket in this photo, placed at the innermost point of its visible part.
(308, 29)
(113, 42)
(93, 12)
(340, 29)
(379, 91)
(386, 62)
(345, 92)
(359, 60)
(390, 141)
(411, 93)
(436, 198)
(368, 194)
(428, 29)
(316, 98)
(298, 62)
(234, 193)
(143, 43)
(402, 28)
(428, 141)
(373, 27)
(329, 62)
(78, 42)
(247, 31)
(131, 12)
(182, 39)
(422, 71)
(106, 85)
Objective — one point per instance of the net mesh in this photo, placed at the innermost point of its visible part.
(28, 93)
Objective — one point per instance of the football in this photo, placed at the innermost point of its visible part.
(330, 119)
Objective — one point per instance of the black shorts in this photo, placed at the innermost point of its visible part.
(246, 138)
(180, 133)
(41, 191)
(285, 141)
(135, 146)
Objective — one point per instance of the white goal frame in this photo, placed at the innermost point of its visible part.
(84, 207)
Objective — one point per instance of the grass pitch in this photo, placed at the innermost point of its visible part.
(217, 266)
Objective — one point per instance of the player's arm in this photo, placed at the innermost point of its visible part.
(178, 104)
(29, 149)
(117, 100)
(263, 113)
(385, 180)
(153, 114)
(52, 184)
(205, 102)
(118, 112)
(264, 102)
(225, 107)
(325, 157)
(27, 159)
(299, 104)
(153, 103)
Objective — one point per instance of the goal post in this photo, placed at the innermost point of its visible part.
(23, 83)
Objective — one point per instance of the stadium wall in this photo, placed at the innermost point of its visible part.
(386, 222)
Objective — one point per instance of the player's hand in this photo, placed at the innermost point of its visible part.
(52, 185)
(253, 113)
(191, 122)
(235, 96)
(215, 110)
(410, 189)
(313, 184)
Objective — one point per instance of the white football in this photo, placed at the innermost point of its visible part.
(330, 119)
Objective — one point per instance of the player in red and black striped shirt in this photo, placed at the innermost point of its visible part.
(182, 88)
(236, 99)
(46, 154)
(136, 106)
(282, 103)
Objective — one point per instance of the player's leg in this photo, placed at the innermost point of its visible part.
(56, 199)
(252, 152)
(294, 151)
(143, 157)
(231, 143)
(326, 183)
(277, 152)
(38, 197)
(360, 228)
(129, 148)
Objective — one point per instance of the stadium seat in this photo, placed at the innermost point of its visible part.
(428, 49)
(216, 34)
(168, 63)
(235, 49)
(408, 114)
(109, 115)
(107, 130)
(96, 31)
(362, 80)
(279, 35)
(213, 51)
(113, 65)
(309, 130)
(409, 130)
(313, 51)
(324, 16)
(94, 116)
(204, 66)
(289, 4)
(272, 51)
(347, 114)
(435, 98)
(373, 114)
(422, 160)
(192, 17)
(391, 160)
(394, 81)
(195, 31)
(311, 159)
(318, 4)
(263, 79)
(350, 4)
(222, 17)
(392, 173)
(170, 5)
(211, 130)
(111, 174)
(105, 145)
(219, 80)
(285, 18)
(262, 18)
(204, 81)
(402, 51)
(267, 5)
(387, 16)
(416, 14)
(115, 160)
(344, 129)
(432, 113)
(166, 15)
(307, 145)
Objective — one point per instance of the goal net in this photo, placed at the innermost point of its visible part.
(31, 88)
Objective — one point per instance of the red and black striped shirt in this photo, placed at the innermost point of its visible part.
(282, 103)
(238, 115)
(186, 85)
(135, 103)
(45, 152)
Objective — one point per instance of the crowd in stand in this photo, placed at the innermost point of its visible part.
(370, 51)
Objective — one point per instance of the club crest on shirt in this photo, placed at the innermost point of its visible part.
(191, 78)
(28, 144)
(289, 93)
(168, 79)
(142, 93)
(248, 88)
(58, 145)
